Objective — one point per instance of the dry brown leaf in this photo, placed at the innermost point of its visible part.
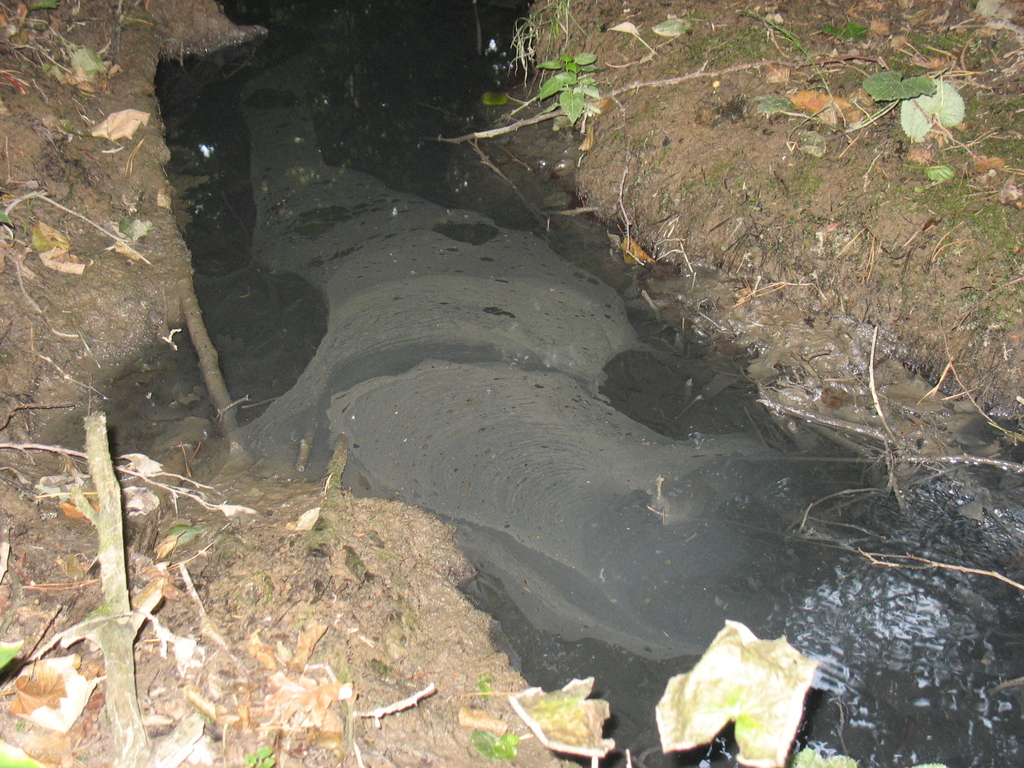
(480, 720)
(165, 546)
(52, 693)
(633, 252)
(304, 648)
(983, 163)
(588, 140)
(879, 27)
(120, 125)
(262, 653)
(126, 250)
(302, 702)
(922, 155)
(60, 260)
(777, 74)
(71, 511)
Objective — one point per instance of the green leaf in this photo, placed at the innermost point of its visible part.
(565, 720)
(495, 747)
(185, 532)
(671, 27)
(44, 5)
(584, 59)
(8, 650)
(947, 104)
(549, 89)
(808, 758)
(550, 65)
(4, 219)
(12, 757)
(494, 98)
(485, 684)
(134, 229)
(572, 103)
(759, 684)
(850, 33)
(889, 85)
(918, 115)
(940, 172)
(772, 105)
(87, 59)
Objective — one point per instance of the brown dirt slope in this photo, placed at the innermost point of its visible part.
(368, 597)
(839, 221)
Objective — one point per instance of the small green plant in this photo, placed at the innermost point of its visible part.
(485, 684)
(923, 101)
(495, 747)
(848, 33)
(573, 85)
(262, 758)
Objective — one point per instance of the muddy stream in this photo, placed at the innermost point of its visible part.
(910, 659)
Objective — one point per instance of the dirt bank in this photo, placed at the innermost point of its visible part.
(280, 617)
(814, 220)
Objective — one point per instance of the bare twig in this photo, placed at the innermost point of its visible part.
(115, 236)
(398, 706)
(31, 407)
(490, 134)
(922, 563)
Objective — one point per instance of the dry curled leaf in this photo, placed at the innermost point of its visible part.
(306, 520)
(60, 260)
(633, 252)
(120, 125)
(776, 73)
(480, 720)
(984, 163)
(122, 247)
(52, 693)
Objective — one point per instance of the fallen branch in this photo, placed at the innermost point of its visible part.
(494, 132)
(398, 706)
(115, 638)
(877, 558)
(209, 362)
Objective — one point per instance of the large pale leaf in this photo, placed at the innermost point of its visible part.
(671, 27)
(565, 721)
(917, 116)
(120, 125)
(758, 684)
(52, 693)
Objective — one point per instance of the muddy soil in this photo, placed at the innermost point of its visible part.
(823, 231)
(278, 620)
(816, 250)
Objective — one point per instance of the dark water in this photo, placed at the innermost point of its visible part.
(910, 658)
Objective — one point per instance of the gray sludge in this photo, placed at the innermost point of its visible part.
(461, 364)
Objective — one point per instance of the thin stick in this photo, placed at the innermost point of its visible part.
(878, 558)
(874, 391)
(398, 706)
(490, 134)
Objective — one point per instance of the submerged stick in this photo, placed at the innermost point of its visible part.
(209, 361)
